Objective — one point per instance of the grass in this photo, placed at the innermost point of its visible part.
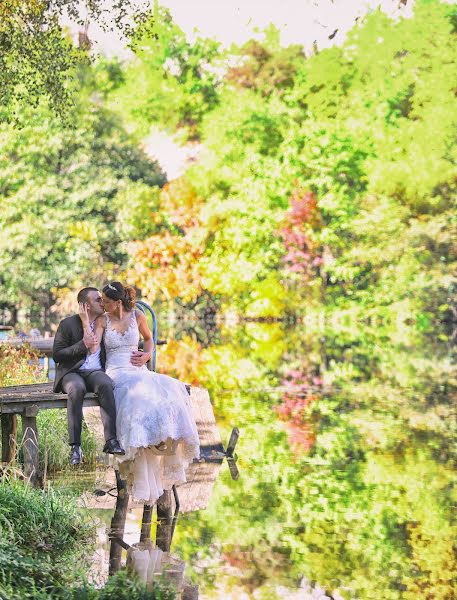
(41, 534)
(53, 441)
(45, 545)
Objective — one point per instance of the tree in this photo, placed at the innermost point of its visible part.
(174, 82)
(61, 193)
(38, 61)
(166, 265)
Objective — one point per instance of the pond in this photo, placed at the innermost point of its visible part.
(346, 460)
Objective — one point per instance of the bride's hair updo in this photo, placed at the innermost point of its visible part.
(116, 291)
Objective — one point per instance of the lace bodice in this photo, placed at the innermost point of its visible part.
(119, 346)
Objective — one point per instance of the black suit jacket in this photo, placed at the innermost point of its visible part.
(69, 351)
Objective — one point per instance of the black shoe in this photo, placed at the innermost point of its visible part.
(112, 446)
(76, 455)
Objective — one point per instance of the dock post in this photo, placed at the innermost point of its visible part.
(116, 532)
(9, 438)
(30, 443)
(164, 522)
(146, 523)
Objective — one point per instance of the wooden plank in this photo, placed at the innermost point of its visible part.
(26, 390)
(195, 494)
(9, 438)
(18, 407)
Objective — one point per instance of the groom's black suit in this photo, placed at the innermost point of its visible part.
(69, 353)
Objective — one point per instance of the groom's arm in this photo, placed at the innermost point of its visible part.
(63, 350)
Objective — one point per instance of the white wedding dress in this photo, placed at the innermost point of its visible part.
(150, 408)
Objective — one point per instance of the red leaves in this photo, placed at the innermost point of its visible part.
(301, 391)
(298, 234)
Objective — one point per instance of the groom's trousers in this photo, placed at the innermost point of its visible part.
(76, 384)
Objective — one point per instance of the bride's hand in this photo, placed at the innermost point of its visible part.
(89, 338)
(84, 314)
(138, 358)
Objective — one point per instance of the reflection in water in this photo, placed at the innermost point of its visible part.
(347, 455)
(151, 562)
(347, 485)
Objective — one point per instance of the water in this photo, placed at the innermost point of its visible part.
(346, 460)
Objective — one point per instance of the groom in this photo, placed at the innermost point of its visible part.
(78, 371)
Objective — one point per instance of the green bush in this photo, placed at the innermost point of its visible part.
(42, 536)
(124, 585)
(45, 543)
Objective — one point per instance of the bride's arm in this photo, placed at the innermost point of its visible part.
(141, 358)
(99, 328)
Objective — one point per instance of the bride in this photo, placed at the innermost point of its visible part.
(153, 412)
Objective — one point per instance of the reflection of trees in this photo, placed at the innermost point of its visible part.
(302, 390)
(369, 498)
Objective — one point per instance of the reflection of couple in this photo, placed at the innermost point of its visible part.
(147, 417)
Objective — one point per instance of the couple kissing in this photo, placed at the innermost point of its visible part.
(147, 417)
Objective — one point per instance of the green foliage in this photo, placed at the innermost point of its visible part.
(125, 586)
(38, 61)
(266, 68)
(368, 127)
(41, 534)
(44, 547)
(19, 366)
(175, 81)
(59, 204)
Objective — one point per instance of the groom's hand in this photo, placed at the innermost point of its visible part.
(138, 358)
(90, 340)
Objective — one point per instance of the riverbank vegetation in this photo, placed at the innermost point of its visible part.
(322, 195)
(45, 551)
(320, 180)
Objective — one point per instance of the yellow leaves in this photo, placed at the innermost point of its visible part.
(182, 359)
(10, 9)
(180, 202)
(268, 298)
(83, 231)
(167, 264)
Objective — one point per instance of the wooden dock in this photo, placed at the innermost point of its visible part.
(28, 400)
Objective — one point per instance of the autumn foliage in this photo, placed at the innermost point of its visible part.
(166, 264)
(298, 233)
(301, 390)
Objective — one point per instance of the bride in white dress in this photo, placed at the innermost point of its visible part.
(154, 419)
